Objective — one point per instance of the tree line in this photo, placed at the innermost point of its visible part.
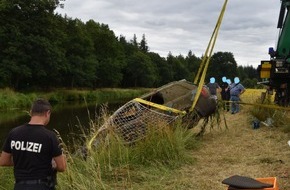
(40, 49)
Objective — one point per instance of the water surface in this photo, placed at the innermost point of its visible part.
(69, 119)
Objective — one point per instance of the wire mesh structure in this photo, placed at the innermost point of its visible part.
(131, 120)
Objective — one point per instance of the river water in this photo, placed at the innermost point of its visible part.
(69, 119)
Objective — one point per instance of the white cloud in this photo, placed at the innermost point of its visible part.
(248, 28)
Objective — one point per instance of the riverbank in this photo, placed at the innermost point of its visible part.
(10, 99)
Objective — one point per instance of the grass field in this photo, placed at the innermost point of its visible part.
(223, 151)
(238, 149)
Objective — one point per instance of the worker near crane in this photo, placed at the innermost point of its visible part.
(213, 87)
(224, 93)
(236, 90)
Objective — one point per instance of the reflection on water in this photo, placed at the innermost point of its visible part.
(68, 119)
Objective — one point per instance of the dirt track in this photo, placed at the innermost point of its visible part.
(238, 150)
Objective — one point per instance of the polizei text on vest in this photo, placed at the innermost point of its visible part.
(26, 146)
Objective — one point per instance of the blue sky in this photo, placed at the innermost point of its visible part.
(248, 28)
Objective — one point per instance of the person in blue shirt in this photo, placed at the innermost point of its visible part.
(236, 90)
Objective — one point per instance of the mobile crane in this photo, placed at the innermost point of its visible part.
(275, 72)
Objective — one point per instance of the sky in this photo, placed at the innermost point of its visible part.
(248, 29)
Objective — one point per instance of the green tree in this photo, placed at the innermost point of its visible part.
(109, 54)
(143, 44)
(222, 64)
(29, 49)
(161, 69)
(80, 56)
(192, 64)
(134, 41)
(127, 48)
(247, 72)
(109, 73)
(140, 71)
(180, 68)
(177, 68)
(249, 83)
(39, 48)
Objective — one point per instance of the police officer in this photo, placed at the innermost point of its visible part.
(34, 151)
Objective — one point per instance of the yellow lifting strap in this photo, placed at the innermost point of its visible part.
(161, 107)
(270, 106)
(200, 77)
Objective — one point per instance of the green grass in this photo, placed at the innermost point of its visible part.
(99, 95)
(114, 164)
(279, 117)
(7, 179)
(10, 99)
(13, 100)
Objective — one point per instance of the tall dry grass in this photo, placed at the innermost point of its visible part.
(114, 164)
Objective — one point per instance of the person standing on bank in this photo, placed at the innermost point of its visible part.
(224, 94)
(34, 151)
(228, 93)
(213, 87)
(236, 90)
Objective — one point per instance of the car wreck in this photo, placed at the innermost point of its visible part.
(165, 105)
